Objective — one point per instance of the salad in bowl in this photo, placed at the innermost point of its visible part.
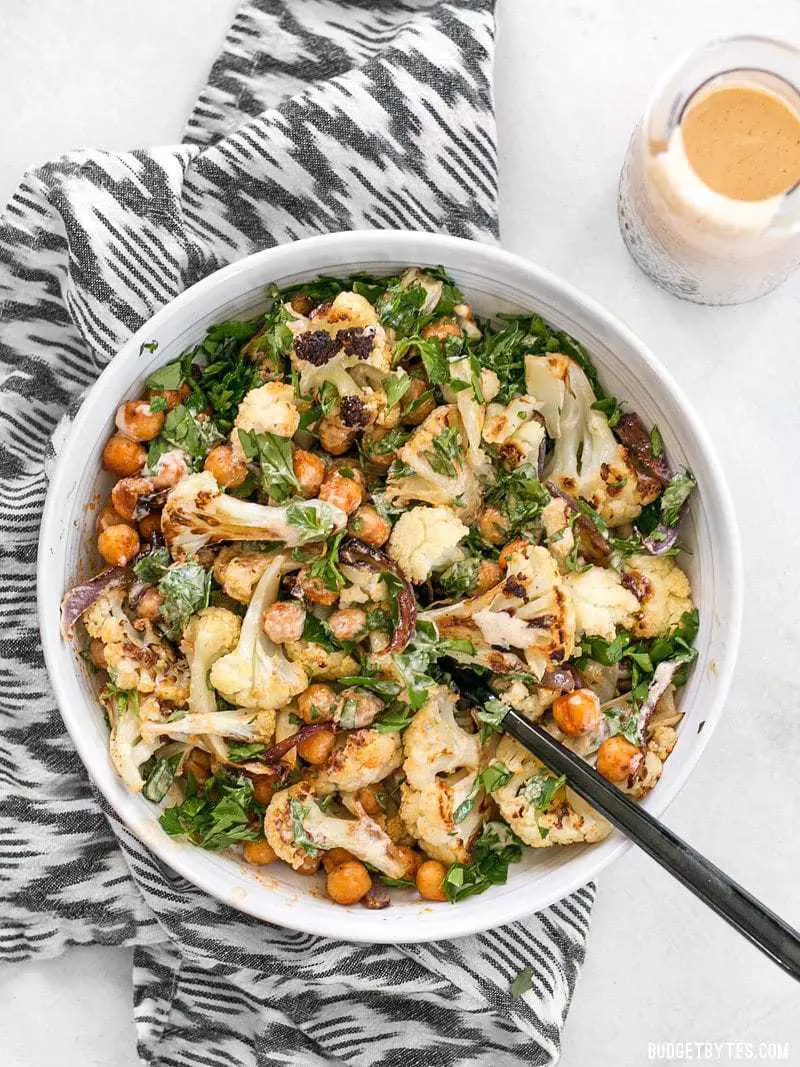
(330, 521)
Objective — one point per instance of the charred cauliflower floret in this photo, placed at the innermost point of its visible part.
(256, 674)
(129, 746)
(297, 828)
(663, 593)
(197, 513)
(586, 460)
(530, 609)
(515, 430)
(425, 539)
(472, 409)
(238, 569)
(441, 765)
(136, 659)
(364, 757)
(602, 603)
(432, 467)
(342, 343)
(531, 702)
(558, 530)
(538, 807)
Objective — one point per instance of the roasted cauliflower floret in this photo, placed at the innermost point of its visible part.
(663, 592)
(602, 603)
(297, 828)
(210, 633)
(256, 674)
(197, 513)
(540, 810)
(441, 765)
(433, 467)
(321, 664)
(240, 724)
(271, 408)
(557, 528)
(128, 745)
(364, 757)
(532, 703)
(343, 343)
(586, 460)
(136, 659)
(238, 568)
(531, 609)
(516, 430)
(425, 539)
(472, 410)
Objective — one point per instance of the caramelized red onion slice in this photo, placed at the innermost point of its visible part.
(81, 597)
(661, 540)
(594, 545)
(357, 553)
(632, 433)
(277, 752)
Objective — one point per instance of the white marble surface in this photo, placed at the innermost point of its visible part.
(572, 77)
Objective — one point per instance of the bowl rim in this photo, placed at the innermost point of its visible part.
(333, 922)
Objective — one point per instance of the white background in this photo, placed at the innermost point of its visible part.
(572, 78)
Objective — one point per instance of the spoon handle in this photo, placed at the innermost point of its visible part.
(752, 919)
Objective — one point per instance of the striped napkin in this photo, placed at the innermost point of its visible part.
(319, 115)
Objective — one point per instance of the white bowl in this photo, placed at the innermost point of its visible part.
(493, 281)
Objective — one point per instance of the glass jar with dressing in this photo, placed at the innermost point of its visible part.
(709, 197)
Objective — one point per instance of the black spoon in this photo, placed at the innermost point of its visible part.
(762, 927)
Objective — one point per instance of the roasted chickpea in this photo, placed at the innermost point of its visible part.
(302, 303)
(441, 328)
(109, 517)
(148, 606)
(413, 409)
(198, 763)
(284, 621)
(317, 703)
(258, 853)
(118, 545)
(228, 470)
(430, 880)
(492, 526)
(263, 789)
(334, 436)
(341, 491)
(489, 574)
(309, 470)
(149, 525)
(335, 857)
(618, 759)
(577, 713)
(348, 883)
(359, 708)
(316, 749)
(315, 591)
(171, 467)
(97, 653)
(123, 456)
(507, 551)
(138, 420)
(310, 865)
(173, 397)
(368, 800)
(346, 623)
(126, 493)
(370, 526)
(380, 455)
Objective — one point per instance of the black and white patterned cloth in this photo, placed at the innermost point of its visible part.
(320, 115)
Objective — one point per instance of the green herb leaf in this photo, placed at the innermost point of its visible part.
(240, 751)
(382, 686)
(495, 849)
(215, 814)
(393, 719)
(314, 525)
(185, 589)
(396, 386)
(541, 788)
(159, 780)
(656, 442)
(522, 983)
(493, 777)
(152, 567)
(461, 577)
(491, 716)
(274, 456)
(300, 837)
(675, 496)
